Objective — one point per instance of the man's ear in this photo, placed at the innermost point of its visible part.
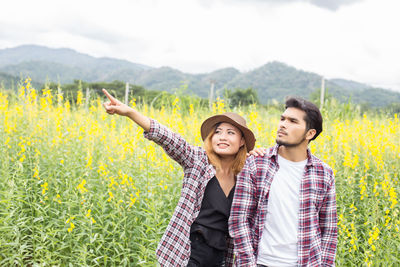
(310, 134)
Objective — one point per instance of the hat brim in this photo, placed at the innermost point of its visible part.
(209, 124)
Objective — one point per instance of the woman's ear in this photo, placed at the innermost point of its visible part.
(242, 141)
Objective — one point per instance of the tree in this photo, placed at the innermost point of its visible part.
(241, 97)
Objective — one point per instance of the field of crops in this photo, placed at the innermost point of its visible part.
(79, 187)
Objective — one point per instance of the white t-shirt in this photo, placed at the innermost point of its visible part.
(278, 244)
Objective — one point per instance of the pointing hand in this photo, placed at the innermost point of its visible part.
(114, 106)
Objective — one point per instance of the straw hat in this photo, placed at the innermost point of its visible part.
(234, 119)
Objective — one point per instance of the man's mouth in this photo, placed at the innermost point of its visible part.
(281, 132)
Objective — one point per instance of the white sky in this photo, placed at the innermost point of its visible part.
(350, 39)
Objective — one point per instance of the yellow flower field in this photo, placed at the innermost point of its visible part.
(81, 187)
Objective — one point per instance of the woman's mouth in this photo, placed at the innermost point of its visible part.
(222, 145)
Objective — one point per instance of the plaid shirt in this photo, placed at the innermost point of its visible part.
(174, 247)
(317, 232)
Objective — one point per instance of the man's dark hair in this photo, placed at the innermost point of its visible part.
(313, 116)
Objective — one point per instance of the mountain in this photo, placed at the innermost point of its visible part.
(354, 86)
(166, 78)
(64, 65)
(274, 80)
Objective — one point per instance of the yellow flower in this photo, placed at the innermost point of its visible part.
(133, 200)
(81, 187)
(22, 158)
(72, 226)
(44, 188)
(111, 196)
(58, 198)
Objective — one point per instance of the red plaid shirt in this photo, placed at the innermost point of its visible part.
(317, 232)
(174, 247)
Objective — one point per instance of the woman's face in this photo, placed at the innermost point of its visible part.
(227, 140)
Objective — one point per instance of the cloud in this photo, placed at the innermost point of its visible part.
(332, 5)
(334, 38)
(92, 31)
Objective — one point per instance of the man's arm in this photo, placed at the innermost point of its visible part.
(243, 210)
(328, 225)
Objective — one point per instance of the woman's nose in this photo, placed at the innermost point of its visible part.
(222, 136)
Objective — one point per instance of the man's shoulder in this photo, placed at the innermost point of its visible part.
(317, 161)
(271, 151)
(255, 162)
(322, 166)
(263, 161)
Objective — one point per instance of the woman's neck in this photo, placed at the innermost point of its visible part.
(226, 166)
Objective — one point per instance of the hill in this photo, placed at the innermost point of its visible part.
(274, 80)
(64, 65)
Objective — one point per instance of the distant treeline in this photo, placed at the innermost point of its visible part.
(155, 98)
(234, 98)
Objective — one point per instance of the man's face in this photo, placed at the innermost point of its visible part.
(292, 128)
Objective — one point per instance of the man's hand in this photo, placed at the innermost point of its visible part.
(115, 106)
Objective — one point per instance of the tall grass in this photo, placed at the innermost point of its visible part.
(79, 187)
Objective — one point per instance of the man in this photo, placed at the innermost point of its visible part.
(284, 209)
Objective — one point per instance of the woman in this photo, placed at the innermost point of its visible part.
(197, 234)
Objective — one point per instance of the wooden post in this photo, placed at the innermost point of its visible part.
(126, 94)
(322, 93)
(87, 97)
(59, 93)
(211, 96)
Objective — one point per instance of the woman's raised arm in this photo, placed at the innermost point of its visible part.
(174, 145)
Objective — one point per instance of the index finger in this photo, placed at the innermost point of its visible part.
(112, 99)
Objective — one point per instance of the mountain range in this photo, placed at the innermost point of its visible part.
(274, 80)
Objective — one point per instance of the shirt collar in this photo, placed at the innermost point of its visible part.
(310, 159)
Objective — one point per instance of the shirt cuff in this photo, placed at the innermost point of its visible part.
(152, 133)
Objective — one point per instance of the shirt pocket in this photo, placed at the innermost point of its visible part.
(315, 197)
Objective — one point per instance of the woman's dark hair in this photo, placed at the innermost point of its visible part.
(313, 116)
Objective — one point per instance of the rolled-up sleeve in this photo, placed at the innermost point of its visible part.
(173, 144)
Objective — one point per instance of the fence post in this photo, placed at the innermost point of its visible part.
(59, 93)
(87, 97)
(211, 96)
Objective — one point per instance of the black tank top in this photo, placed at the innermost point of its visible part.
(212, 221)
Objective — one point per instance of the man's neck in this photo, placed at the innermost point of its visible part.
(295, 154)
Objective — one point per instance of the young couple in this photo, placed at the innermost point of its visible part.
(272, 209)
